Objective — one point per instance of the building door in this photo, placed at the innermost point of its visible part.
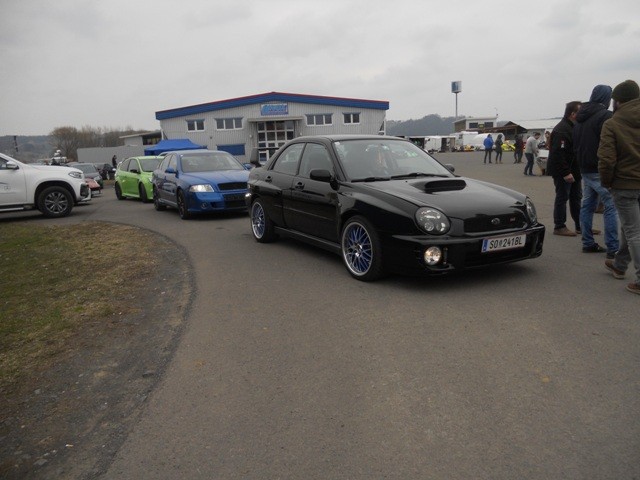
(272, 135)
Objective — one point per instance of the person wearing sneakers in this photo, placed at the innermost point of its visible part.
(619, 168)
(586, 140)
(563, 167)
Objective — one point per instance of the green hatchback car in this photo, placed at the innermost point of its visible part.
(133, 178)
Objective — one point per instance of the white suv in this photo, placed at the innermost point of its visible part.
(51, 189)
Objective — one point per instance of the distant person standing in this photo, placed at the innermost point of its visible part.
(530, 152)
(586, 140)
(519, 149)
(563, 167)
(488, 148)
(498, 147)
(114, 161)
(619, 168)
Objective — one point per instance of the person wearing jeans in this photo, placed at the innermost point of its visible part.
(619, 168)
(592, 193)
(586, 140)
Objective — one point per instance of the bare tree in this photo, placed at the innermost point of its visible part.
(67, 140)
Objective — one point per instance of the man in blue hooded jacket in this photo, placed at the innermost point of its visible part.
(586, 140)
(488, 147)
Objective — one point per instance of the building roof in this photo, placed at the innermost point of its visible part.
(271, 97)
(546, 124)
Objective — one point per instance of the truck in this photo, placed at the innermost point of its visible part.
(53, 190)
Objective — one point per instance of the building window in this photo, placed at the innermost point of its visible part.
(229, 123)
(195, 125)
(319, 119)
(351, 118)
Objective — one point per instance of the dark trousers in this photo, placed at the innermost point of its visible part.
(518, 156)
(566, 192)
(487, 151)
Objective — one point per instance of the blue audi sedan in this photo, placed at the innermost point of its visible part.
(200, 181)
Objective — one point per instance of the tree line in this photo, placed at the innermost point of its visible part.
(69, 139)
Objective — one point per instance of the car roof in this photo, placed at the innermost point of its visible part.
(344, 137)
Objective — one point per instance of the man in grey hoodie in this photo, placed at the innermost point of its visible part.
(586, 140)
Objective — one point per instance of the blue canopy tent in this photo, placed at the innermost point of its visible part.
(172, 145)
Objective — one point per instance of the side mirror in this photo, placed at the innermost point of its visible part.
(135, 170)
(247, 166)
(450, 167)
(12, 166)
(322, 175)
(171, 171)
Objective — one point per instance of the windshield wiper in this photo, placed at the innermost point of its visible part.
(419, 174)
(372, 179)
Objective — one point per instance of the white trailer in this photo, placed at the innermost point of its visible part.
(464, 140)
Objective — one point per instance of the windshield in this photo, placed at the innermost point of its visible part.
(383, 159)
(149, 164)
(209, 162)
(86, 167)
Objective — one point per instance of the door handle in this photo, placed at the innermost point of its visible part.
(299, 186)
(268, 179)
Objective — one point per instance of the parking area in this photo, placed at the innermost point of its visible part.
(289, 368)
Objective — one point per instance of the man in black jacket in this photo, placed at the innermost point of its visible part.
(586, 140)
(564, 169)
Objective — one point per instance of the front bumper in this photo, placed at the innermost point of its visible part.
(405, 254)
(216, 201)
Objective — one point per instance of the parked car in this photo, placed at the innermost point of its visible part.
(89, 170)
(133, 177)
(385, 205)
(96, 189)
(54, 190)
(200, 181)
(107, 171)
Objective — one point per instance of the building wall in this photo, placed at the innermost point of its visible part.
(105, 154)
(370, 123)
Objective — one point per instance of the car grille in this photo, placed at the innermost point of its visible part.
(232, 186)
(493, 223)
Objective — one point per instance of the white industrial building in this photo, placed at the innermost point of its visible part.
(257, 125)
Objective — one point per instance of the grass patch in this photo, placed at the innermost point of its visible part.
(56, 281)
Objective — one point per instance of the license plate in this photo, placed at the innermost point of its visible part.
(503, 243)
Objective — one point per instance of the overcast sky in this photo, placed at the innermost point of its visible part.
(114, 63)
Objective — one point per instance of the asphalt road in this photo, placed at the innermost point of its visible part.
(288, 368)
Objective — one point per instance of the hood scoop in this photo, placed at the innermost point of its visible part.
(440, 185)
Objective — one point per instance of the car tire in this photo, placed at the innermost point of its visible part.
(361, 249)
(156, 201)
(118, 192)
(183, 210)
(55, 202)
(143, 193)
(261, 225)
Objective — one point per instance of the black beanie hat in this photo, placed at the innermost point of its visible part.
(625, 91)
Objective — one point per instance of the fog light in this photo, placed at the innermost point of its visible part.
(432, 256)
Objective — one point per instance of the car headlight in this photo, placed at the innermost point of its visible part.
(201, 188)
(531, 211)
(432, 221)
(79, 175)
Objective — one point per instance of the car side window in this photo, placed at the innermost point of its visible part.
(163, 165)
(289, 159)
(133, 165)
(173, 163)
(315, 157)
(124, 166)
